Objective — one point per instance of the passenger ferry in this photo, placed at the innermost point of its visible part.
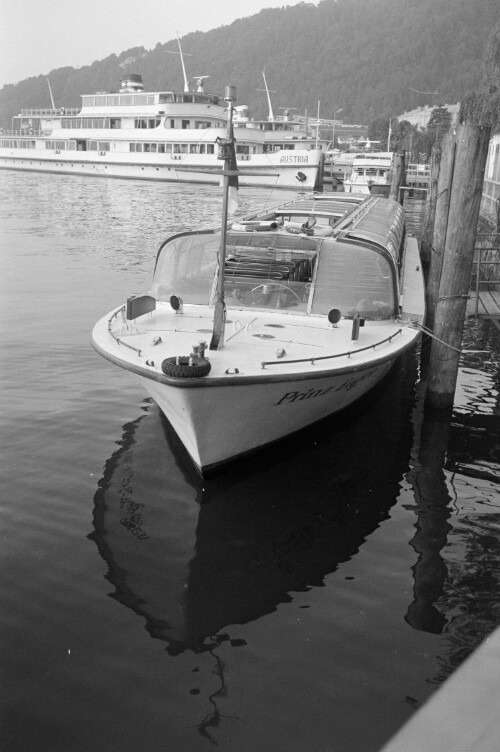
(161, 135)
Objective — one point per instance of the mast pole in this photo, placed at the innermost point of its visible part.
(186, 83)
(226, 152)
(51, 97)
(271, 113)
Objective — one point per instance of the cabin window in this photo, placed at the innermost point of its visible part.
(185, 124)
(354, 280)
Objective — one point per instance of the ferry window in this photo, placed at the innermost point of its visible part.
(185, 124)
(71, 145)
(201, 124)
(138, 147)
(115, 123)
(92, 145)
(104, 146)
(147, 147)
(163, 98)
(172, 123)
(288, 146)
(126, 100)
(202, 148)
(161, 148)
(193, 148)
(140, 123)
(168, 148)
(210, 149)
(113, 100)
(100, 100)
(242, 149)
(152, 147)
(154, 122)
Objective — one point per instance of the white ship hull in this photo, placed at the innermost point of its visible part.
(297, 171)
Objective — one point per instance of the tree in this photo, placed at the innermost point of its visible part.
(439, 123)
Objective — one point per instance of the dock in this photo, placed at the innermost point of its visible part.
(462, 716)
(486, 296)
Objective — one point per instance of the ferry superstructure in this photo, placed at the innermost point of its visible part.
(160, 135)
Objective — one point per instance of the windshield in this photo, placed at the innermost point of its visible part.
(259, 275)
(278, 271)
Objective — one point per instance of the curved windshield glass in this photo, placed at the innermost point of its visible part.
(186, 267)
(257, 274)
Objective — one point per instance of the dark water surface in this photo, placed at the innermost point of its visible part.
(306, 600)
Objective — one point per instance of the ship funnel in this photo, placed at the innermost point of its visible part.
(130, 83)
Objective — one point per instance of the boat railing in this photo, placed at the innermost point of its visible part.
(50, 112)
(22, 133)
(347, 353)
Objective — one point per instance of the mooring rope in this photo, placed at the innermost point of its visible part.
(430, 333)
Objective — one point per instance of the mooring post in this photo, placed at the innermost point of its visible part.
(442, 207)
(451, 304)
(430, 208)
(398, 171)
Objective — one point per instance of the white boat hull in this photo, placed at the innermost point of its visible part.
(217, 424)
(289, 171)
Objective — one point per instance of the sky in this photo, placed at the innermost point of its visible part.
(37, 36)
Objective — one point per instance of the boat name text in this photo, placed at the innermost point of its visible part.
(346, 386)
(292, 159)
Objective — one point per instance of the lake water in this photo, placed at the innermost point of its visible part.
(309, 599)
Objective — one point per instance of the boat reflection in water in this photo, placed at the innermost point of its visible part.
(193, 556)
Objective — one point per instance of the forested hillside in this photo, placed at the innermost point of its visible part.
(365, 56)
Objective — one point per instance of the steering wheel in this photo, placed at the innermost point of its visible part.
(277, 284)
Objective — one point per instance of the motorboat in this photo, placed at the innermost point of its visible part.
(369, 171)
(254, 330)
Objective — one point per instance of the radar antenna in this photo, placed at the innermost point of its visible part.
(199, 82)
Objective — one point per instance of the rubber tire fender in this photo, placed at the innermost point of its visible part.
(179, 367)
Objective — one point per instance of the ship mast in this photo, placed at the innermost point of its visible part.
(182, 54)
(271, 114)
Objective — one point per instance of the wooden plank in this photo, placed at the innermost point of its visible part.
(462, 716)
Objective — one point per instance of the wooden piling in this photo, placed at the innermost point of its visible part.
(397, 178)
(451, 304)
(430, 207)
(440, 223)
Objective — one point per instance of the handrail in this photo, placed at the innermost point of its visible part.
(117, 339)
(327, 357)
